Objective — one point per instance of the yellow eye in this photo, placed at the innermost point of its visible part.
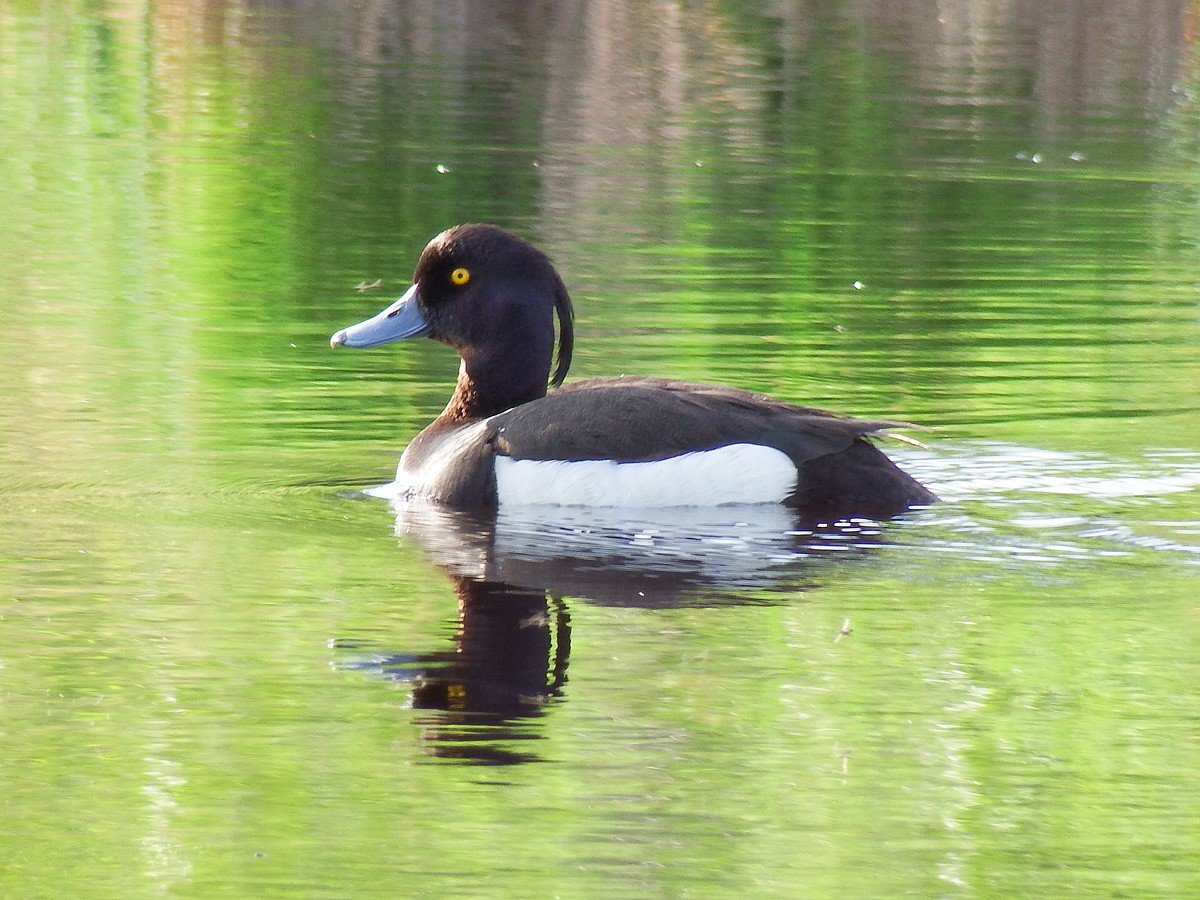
(460, 276)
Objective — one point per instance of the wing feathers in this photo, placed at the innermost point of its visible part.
(632, 419)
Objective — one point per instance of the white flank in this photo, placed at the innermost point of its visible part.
(738, 473)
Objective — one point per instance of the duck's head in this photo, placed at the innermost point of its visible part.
(489, 295)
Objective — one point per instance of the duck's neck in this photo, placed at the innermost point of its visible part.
(490, 383)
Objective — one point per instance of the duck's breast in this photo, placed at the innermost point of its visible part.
(452, 465)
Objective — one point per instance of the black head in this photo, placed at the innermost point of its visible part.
(492, 297)
(487, 294)
(483, 289)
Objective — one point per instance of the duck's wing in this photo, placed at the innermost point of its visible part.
(632, 419)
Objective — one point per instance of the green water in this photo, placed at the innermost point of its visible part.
(222, 672)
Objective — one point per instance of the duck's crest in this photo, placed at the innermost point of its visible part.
(566, 331)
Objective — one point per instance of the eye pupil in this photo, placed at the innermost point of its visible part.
(460, 276)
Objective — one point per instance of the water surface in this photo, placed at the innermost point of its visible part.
(224, 670)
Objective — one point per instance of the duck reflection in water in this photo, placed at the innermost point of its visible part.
(510, 572)
(510, 653)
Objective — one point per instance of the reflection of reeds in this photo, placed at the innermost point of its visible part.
(623, 72)
(587, 87)
(611, 98)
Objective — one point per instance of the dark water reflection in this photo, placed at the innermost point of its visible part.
(512, 571)
(509, 658)
(629, 557)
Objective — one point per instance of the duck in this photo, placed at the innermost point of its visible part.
(516, 434)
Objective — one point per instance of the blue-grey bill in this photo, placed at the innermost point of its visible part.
(401, 320)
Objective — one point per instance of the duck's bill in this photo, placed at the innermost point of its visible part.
(401, 320)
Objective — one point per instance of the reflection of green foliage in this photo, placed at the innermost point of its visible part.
(189, 206)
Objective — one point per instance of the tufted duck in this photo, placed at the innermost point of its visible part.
(619, 441)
